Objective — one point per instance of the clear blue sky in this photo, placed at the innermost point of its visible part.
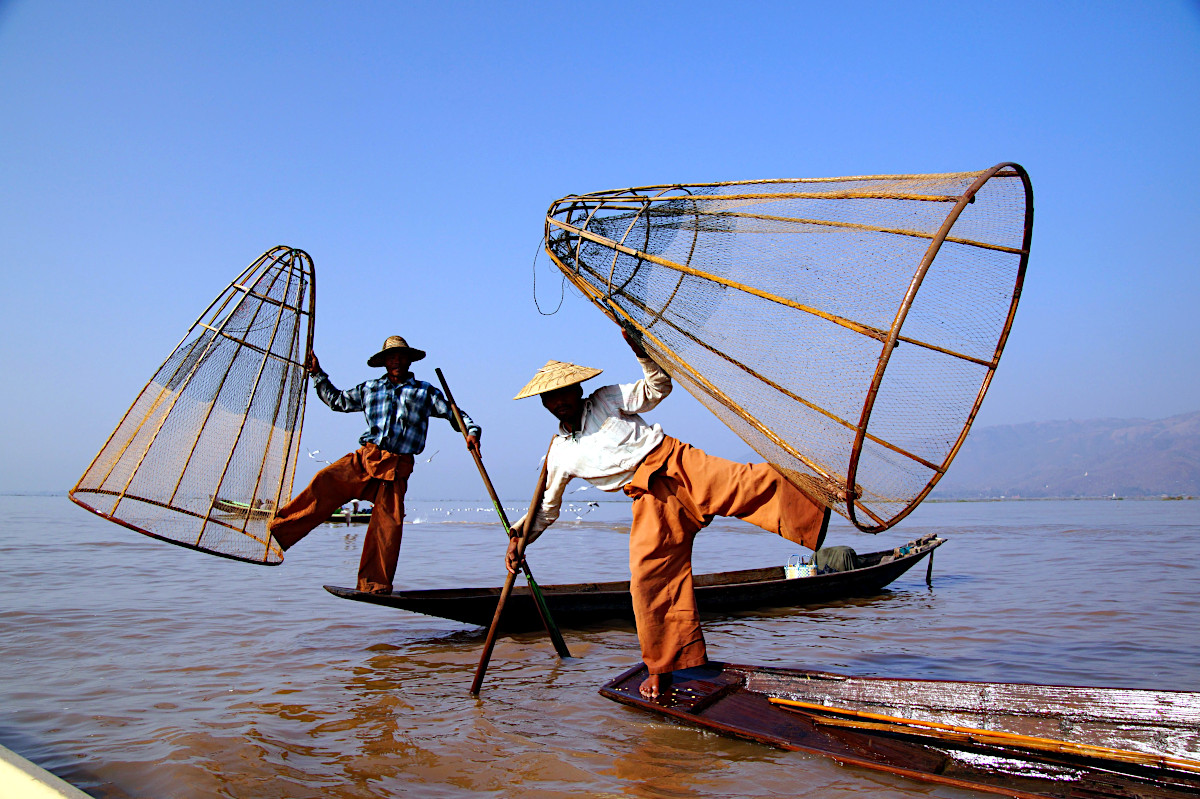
(150, 150)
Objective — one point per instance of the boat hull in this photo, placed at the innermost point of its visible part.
(579, 604)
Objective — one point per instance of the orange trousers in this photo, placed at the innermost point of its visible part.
(677, 491)
(367, 473)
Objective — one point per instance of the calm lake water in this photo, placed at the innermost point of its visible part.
(133, 668)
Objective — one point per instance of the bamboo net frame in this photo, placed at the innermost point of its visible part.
(208, 450)
(783, 305)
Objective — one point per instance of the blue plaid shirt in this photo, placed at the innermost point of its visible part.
(398, 415)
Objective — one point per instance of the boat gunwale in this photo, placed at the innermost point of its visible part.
(1171, 713)
(701, 585)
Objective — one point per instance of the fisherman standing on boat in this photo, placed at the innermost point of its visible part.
(676, 489)
(397, 407)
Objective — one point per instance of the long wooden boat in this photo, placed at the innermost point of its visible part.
(1009, 739)
(726, 592)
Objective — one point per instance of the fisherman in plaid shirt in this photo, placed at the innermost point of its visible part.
(397, 407)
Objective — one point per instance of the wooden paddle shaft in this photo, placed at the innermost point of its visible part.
(490, 642)
(539, 601)
(458, 419)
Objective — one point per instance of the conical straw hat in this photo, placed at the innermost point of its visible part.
(556, 374)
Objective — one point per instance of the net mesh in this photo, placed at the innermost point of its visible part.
(208, 449)
(846, 328)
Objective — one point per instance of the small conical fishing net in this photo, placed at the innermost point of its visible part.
(208, 449)
(846, 328)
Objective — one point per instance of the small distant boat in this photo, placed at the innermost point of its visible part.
(243, 509)
(1060, 742)
(347, 516)
(582, 603)
(265, 511)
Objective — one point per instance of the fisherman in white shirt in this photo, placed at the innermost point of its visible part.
(676, 489)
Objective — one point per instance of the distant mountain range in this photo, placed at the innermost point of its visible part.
(1095, 458)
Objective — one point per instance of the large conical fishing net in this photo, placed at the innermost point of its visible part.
(846, 328)
(208, 449)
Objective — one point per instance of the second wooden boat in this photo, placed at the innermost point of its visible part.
(346, 516)
(1062, 742)
(726, 592)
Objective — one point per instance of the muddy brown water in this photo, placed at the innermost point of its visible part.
(133, 668)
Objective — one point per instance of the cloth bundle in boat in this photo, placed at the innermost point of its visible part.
(846, 328)
(835, 559)
(208, 449)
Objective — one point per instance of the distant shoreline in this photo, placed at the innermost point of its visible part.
(938, 500)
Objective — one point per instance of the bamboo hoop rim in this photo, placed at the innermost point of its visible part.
(1016, 170)
(184, 544)
(778, 181)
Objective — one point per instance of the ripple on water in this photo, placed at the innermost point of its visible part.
(160, 672)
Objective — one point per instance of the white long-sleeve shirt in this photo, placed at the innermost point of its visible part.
(611, 443)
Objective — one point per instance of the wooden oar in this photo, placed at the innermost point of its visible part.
(490, 642)
(951, 732)
(560, 646)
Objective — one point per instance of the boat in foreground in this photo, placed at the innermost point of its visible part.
(726, 592)
(1010, 739)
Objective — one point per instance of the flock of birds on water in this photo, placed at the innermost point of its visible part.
(579, 510)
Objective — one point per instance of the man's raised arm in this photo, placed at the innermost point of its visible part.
(645, 394)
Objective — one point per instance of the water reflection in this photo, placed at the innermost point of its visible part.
(153, 671)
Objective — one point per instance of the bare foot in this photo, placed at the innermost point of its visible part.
(654, 685)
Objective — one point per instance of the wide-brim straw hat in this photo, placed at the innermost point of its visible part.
(556, 374)
(395, 343)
